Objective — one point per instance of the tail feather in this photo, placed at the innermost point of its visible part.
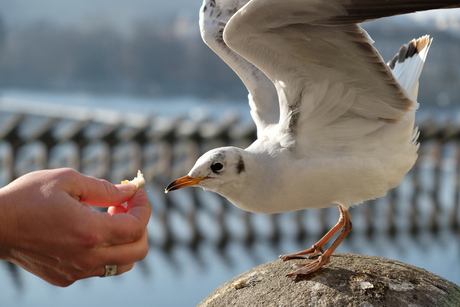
(407, 64)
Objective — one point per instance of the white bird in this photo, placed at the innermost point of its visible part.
(334, 125)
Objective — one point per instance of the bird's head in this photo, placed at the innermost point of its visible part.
(220, 170)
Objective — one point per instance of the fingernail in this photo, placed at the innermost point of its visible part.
(127, 187)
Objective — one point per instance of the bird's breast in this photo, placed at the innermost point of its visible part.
(321, 183)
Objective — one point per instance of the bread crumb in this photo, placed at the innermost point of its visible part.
(139, 180)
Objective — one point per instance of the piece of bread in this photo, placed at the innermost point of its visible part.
(139, 180)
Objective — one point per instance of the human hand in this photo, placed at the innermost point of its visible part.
(48, 227)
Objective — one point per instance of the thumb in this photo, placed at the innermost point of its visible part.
(100, 192)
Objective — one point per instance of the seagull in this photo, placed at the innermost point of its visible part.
(335, 124)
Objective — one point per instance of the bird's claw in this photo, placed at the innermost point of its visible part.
(310, 253)
(307, 268)
(344, 223)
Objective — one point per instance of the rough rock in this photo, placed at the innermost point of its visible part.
(348, 280)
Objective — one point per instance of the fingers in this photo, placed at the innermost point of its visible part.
(99, 192)
(125, 239)
(124, 256)
(123, 224)
(124, 233)
(139, 207)
(90, 190)
(127, 224)
(127, 253)
(64, 272)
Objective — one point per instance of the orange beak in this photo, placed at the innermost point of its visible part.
(183, 182)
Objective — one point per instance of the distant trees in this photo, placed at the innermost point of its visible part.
(152, 60)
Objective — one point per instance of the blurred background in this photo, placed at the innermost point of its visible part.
(109, 87)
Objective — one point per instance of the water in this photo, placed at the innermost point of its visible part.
(187, 107)
(184, 271)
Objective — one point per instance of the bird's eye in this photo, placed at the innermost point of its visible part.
(217, 167)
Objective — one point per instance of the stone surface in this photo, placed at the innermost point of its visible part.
(348, 280)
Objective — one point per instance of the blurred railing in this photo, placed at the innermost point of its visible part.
(114, 146)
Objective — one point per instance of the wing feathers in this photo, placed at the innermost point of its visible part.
(407, 64)
(328, 75)
(358, 11)
(263, 99)
(333, 87)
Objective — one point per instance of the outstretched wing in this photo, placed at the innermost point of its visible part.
(263, 99)
(334, 88)
(407, 64)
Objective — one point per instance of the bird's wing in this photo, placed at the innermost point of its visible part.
(334, 88)
(263, 98)
(407, 64)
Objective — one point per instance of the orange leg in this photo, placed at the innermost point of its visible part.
(344, 223)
